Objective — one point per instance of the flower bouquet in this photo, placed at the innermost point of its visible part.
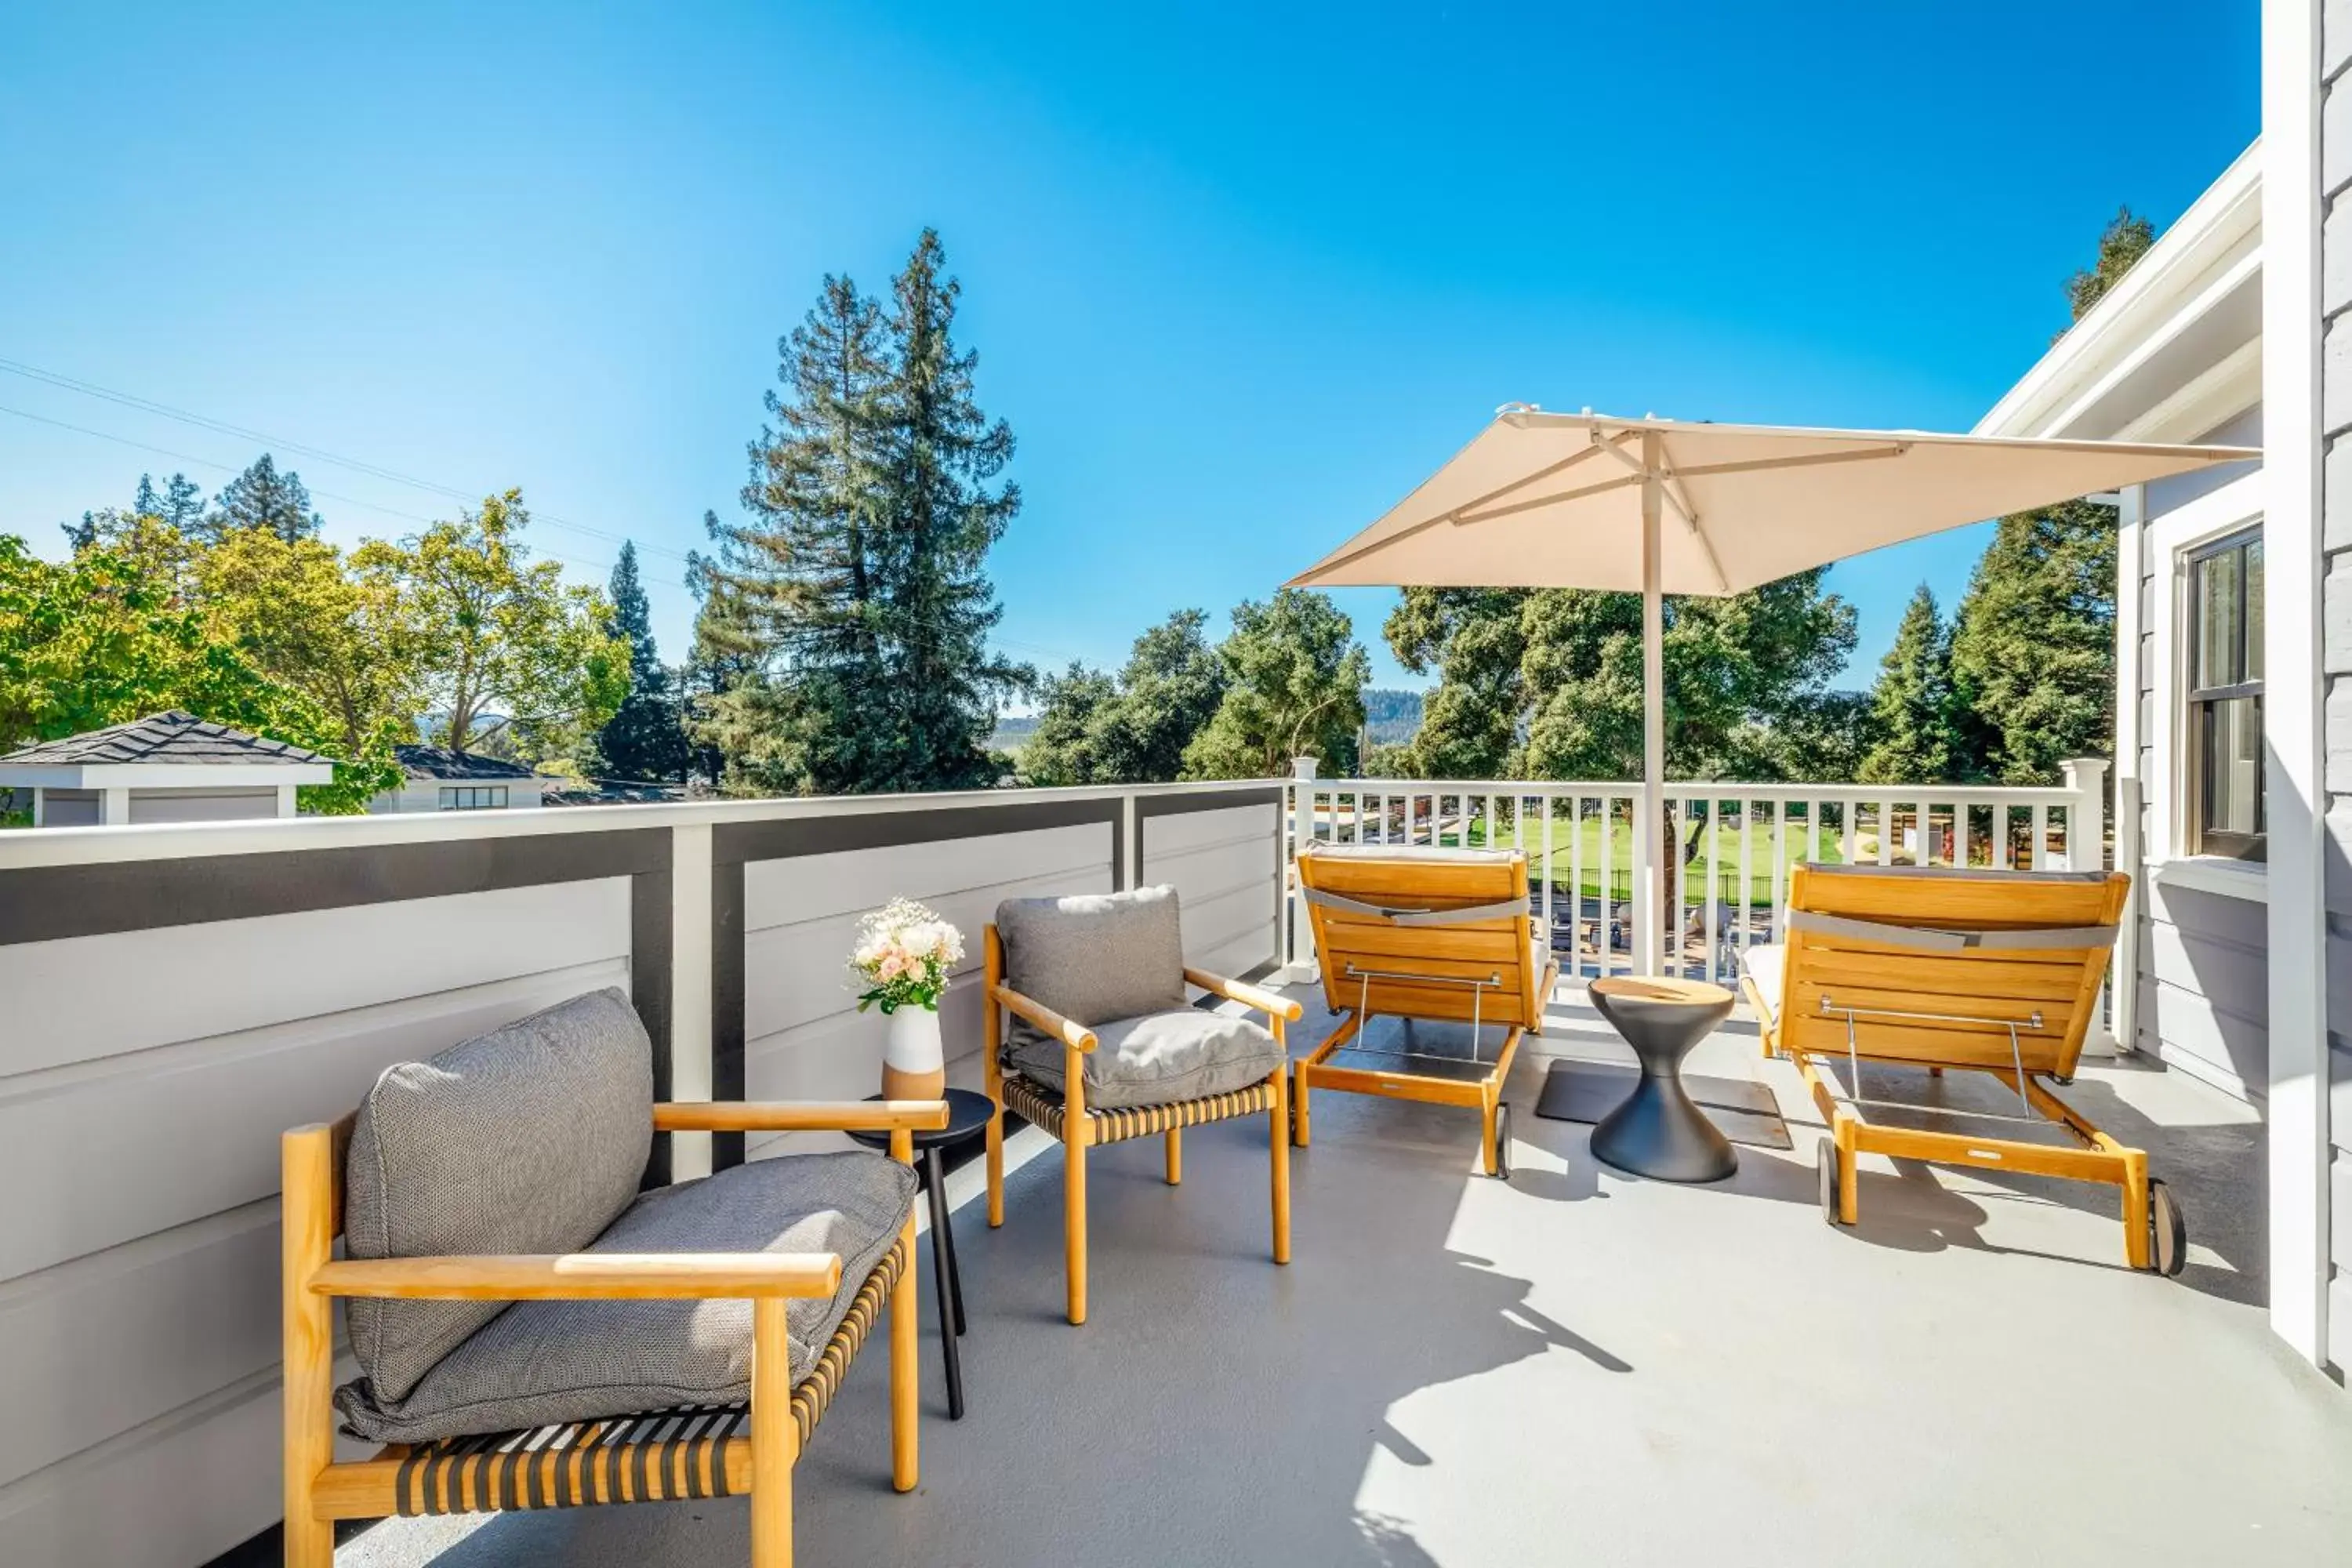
(903, 957)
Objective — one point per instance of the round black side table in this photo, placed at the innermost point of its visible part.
(1658, 1132)
(968, 1115)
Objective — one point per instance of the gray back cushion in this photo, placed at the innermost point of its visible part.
(543, 1361)
(1095, 957)
(529, 1139)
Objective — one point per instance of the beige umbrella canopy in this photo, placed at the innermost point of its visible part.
(1657, 505)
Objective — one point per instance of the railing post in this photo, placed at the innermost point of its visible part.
(2086, 803)
(689, 989)
(1300, 955)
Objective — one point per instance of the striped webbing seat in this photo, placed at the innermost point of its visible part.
(1032, 1102)
(667, 1455)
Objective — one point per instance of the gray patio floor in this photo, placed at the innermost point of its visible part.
(1576, 1367)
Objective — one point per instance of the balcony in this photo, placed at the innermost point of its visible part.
(1570, 1366)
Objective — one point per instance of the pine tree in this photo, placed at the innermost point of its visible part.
(791, 624)
(2034, 644)
(1912, 706)
(261, 497)
(2125, 239)
(179, 503)
(644, 739)
(942, 684)
(852, 608)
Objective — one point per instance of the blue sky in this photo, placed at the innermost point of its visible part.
(1238, 281)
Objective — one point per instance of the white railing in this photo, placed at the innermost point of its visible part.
(1738, 841)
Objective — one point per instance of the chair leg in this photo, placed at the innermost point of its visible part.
(2135, 1185)
(1298, 1115)
(996, 1168)
(775, 1441)
(1174, 1137)
(1278, 1151)
(906, 1373)
(308, 1240)
(1486, 1149)
(1073, 1225)
(1849, 1170)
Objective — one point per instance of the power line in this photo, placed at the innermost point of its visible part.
(129, 401)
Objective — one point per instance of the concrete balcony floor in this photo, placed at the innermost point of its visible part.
(1576, 1367)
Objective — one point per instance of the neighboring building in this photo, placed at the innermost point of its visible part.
(439, 779)
(2233, 626)
(166, 767)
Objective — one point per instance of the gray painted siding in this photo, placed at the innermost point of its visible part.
(139, 1315)
(2335, 604)
(2204, 1003)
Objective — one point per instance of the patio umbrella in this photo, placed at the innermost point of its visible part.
(1582, 501)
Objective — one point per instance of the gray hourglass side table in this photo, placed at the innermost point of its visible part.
(1659, 1132)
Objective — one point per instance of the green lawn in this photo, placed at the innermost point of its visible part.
(1799, 845)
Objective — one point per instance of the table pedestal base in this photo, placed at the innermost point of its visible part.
(1659, 1132)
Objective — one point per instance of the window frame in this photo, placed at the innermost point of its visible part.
(2198, 703)
(462, 797)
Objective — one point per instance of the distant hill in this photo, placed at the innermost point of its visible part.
(1013, 732)
(1391, 718)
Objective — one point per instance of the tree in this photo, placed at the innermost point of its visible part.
(2034, 644)
(1295, 681)
(179, 504)
(942, 684)
(2124, 241)
(644, 739)
(344, 640)
(101, 640)
(854, 602)
(1475, 638)
(491, 627)
(261, 497)
(1065, 747)
(1094, 728)
(1912, 708)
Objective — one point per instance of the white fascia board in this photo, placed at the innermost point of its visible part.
(165, 775)
(2151, 302)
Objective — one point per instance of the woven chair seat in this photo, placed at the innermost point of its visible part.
(696, 1451)
(1035, 1103)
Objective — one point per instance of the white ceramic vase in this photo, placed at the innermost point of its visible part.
(914, 1065)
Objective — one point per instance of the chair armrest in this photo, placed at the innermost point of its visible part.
(801, 1116)
(584, 1276)
(1248, 995)
(1077, 1036)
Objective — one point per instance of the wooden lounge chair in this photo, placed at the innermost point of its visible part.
(1993, 972)
(1425, 933)
(545, 1124)
(1104, 1046)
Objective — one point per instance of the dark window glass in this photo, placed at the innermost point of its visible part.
(2225, 698)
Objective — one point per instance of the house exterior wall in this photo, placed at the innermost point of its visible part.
(70, 808)
(2334, 199)
(2203, 979)
(425, 794)
(202, 805)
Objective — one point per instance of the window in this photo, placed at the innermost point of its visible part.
(2225, 698)
(474, 797)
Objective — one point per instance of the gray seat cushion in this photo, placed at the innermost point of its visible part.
(544, 1362)
(531, 1138)
(1157, 1059)
(1094, 958)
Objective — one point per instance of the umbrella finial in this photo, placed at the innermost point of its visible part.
(1508, 409)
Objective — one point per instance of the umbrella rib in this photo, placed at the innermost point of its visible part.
(1460, 514)
(1800, 461)
(1678, 496)
(1463, 518)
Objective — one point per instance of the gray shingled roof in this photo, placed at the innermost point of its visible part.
(441, 762)
(173, 737)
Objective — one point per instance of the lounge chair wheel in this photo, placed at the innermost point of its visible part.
(1502, 1143)
(2167, 1231)
(1825, 1167)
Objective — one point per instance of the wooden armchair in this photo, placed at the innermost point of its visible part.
(1078, 1079)
(714, 1449)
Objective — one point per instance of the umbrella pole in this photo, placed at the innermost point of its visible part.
(1649, 897)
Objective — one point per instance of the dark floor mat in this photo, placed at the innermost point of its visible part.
(1742, 1108)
